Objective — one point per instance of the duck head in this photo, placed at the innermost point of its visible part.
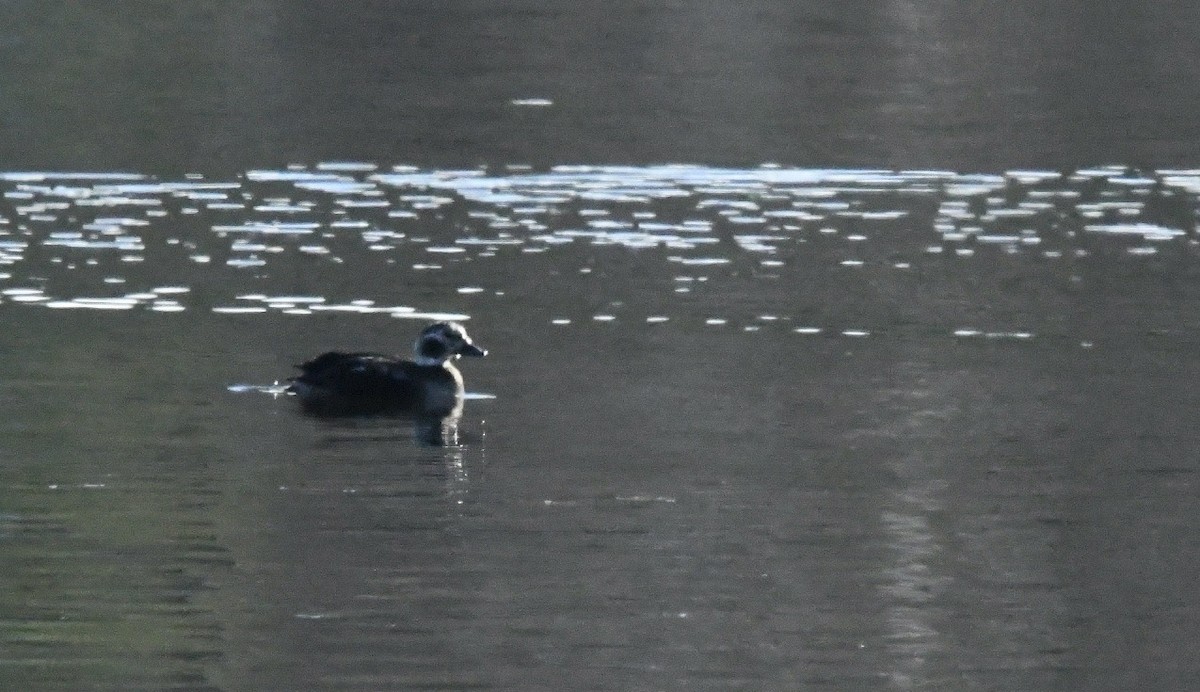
(444, 341)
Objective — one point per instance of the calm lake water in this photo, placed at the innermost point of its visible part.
(773, 428)
(911, 409)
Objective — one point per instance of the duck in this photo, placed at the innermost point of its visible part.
(337, 383)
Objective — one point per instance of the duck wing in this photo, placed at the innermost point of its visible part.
(352, 374)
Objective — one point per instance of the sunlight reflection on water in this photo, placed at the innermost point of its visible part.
(723, 398)
(65, 236)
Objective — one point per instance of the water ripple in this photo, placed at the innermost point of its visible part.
(68, 239)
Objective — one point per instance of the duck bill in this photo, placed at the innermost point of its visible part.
(472, 351)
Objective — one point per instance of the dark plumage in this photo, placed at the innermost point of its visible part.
(338, 383)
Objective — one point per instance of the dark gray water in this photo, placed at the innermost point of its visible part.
(911, 409)
(215, 85)
(764, 427)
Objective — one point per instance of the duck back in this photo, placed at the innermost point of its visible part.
(337, 383)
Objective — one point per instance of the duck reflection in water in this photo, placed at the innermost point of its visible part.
(428, 388)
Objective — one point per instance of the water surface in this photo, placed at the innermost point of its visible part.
(771, 427)
(910, 409)
(210, 85)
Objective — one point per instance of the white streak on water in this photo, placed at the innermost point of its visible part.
(268, 228)
(1148, 231)
(237, 310)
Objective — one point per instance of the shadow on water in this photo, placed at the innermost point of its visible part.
(426, 430)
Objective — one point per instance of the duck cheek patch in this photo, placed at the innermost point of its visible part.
(436, 350)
